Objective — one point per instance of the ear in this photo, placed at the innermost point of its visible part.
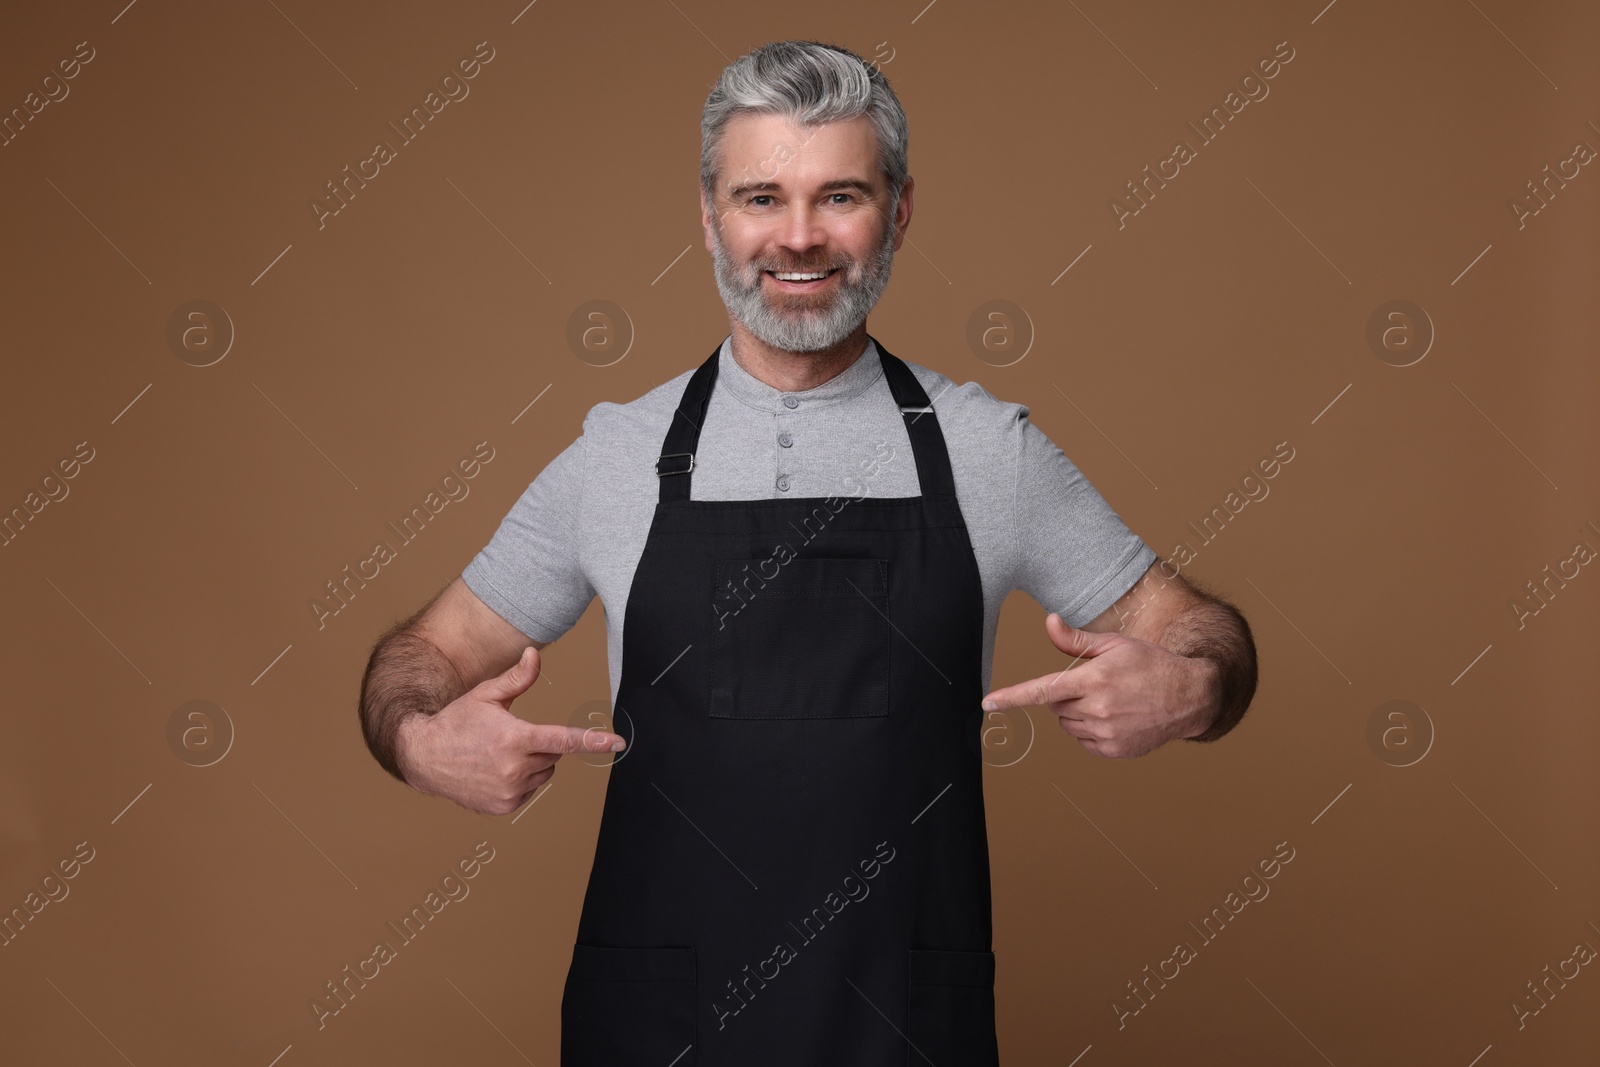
(902, 213)
(705, 219)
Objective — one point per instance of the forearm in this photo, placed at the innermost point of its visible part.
(1214, 630)
(406, 675)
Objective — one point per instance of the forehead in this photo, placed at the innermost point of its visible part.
(771, 148)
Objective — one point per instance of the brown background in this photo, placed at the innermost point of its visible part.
(371, 354)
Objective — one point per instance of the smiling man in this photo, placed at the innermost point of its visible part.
(802, 546)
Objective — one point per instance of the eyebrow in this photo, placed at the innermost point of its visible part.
(864, 188)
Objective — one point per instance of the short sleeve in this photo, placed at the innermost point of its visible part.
(530, 572)
(1075, 556)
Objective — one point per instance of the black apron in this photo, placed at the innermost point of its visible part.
(792, 865)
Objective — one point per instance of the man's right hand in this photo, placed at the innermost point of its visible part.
(475, 752)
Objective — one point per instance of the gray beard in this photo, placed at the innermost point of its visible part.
(804, 329)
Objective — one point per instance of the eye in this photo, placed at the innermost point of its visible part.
(758, 196)
(847, 196)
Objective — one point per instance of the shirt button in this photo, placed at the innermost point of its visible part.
(790, 402)
(783, 482)
(785, 440)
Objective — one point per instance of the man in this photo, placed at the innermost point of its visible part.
(802, 547)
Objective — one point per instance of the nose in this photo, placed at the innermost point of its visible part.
(801, 230)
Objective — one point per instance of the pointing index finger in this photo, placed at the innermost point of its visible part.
(1037, 692)
(549, 738)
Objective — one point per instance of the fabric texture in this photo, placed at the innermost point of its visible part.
(578, 530)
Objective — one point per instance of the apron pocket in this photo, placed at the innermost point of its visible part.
(628, 1005)
(951, 1008)
(810, 641)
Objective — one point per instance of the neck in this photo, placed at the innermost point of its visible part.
(793, 372)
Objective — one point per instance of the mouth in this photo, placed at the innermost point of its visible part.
(800, 281)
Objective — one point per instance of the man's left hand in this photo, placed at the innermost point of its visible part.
(1122, 696)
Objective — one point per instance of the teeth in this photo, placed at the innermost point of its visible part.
(785, 276)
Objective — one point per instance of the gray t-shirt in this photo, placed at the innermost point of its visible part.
(1035, 522)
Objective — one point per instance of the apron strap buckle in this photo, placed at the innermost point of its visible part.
(686, 468)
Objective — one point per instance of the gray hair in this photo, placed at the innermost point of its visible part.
(811, 83)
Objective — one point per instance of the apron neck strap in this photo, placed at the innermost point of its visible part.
(675, 467)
